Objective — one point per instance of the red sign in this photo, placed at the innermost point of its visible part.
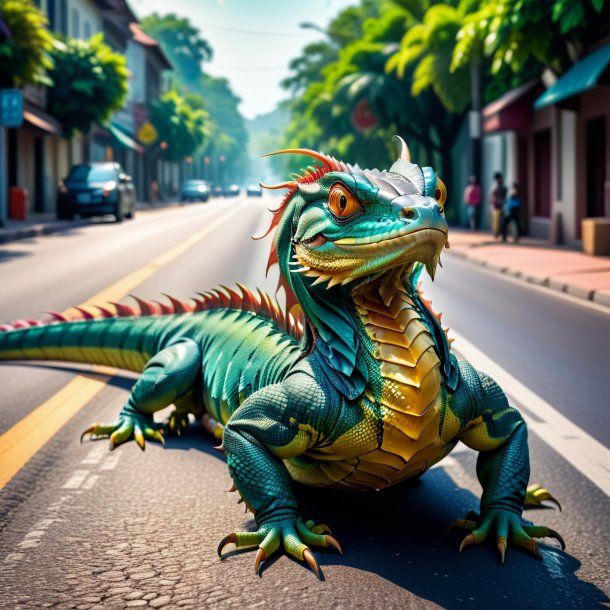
(363, 118)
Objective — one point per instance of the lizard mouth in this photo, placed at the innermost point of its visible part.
(384, 237)
(315, 241)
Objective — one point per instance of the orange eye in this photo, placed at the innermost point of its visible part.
(441, 193)
(342, 202)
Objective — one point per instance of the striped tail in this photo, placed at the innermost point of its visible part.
(125, 337)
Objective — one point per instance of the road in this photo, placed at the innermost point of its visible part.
(85, 528)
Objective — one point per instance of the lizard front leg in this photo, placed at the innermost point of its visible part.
(499, 433)
(166, 378)
(276, 423)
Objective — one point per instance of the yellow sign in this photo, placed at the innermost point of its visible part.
(147, 134)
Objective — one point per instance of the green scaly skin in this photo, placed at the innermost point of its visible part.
(344, 406)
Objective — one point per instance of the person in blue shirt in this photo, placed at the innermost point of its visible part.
(511, 209)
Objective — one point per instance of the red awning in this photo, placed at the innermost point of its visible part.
(513, 111)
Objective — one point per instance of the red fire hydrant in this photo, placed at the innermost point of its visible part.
(18, 203)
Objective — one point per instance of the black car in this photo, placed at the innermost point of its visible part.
(194, 190)
(231, 190)
(254, 190)
(94, 189)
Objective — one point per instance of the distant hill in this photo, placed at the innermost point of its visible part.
(265, 135)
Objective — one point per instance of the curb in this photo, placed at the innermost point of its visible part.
(599, 297)
(9, 235)
(47, 228)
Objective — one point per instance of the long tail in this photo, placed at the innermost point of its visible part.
(121, 336)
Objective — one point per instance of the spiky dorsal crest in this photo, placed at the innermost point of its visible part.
(259, 303)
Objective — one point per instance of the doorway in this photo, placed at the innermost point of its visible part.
(596, 165)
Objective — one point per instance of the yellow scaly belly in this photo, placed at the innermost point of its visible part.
(410, 406)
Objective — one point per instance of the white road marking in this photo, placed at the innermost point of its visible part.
(91, 481)
(33, 538)
(76, 480)
(111, 462)
(96, 454)
(575, 445)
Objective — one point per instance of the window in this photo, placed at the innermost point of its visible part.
(86, 29)
(63, 16)
(51, 14)
(75, 23)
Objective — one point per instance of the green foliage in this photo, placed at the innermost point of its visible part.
(90, 83)
(180, 122)
(181, 42)
(24, 56)
(513, 32)
(428, 47)
(187, 50)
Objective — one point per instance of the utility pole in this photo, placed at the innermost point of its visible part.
(11, 115)
(3, 176)
(474, 120)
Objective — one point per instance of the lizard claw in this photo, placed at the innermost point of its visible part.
(260, 556)
(508, 527)
(501, 545)
(536, 495)
(311, 560)
(293, 535)
(231, 538)
(468, 540)
(334, 543)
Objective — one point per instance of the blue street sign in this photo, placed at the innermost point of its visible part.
(11, 108)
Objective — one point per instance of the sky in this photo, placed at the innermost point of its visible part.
(253, 40)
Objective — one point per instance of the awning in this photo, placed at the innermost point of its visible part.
(37, 118)
(513, 110)
(124, 140)
(582, 76)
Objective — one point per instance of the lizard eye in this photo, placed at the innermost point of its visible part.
(342, 202)
(441, 193)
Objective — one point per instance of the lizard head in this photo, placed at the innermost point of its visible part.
(340, 228)
(346, 224)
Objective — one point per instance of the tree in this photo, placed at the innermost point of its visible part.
(428, 46)
(183, 127)
(187, 50)
(181, 42)
(25, 44)
(90, 83)
(513, 32)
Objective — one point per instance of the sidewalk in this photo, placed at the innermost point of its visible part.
(46, 223)
(535, 261)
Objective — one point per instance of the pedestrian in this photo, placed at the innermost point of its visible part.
(497, 197)
(510, 210)
(472, 199)
(154, 192)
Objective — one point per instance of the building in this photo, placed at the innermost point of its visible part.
(555, 142)
(38, 154)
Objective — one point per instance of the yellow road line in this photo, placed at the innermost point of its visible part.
(26, 437)
(19, 444)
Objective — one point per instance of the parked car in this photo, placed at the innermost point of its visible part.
(94, 189)
(217, 190)
(231, 190)
(254, 190)
(194, 190)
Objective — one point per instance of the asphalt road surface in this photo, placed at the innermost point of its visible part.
(81, 527)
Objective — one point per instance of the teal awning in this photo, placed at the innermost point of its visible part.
(124, 140)
(581, 76)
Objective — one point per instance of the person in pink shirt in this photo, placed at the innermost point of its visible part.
(472, 199)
